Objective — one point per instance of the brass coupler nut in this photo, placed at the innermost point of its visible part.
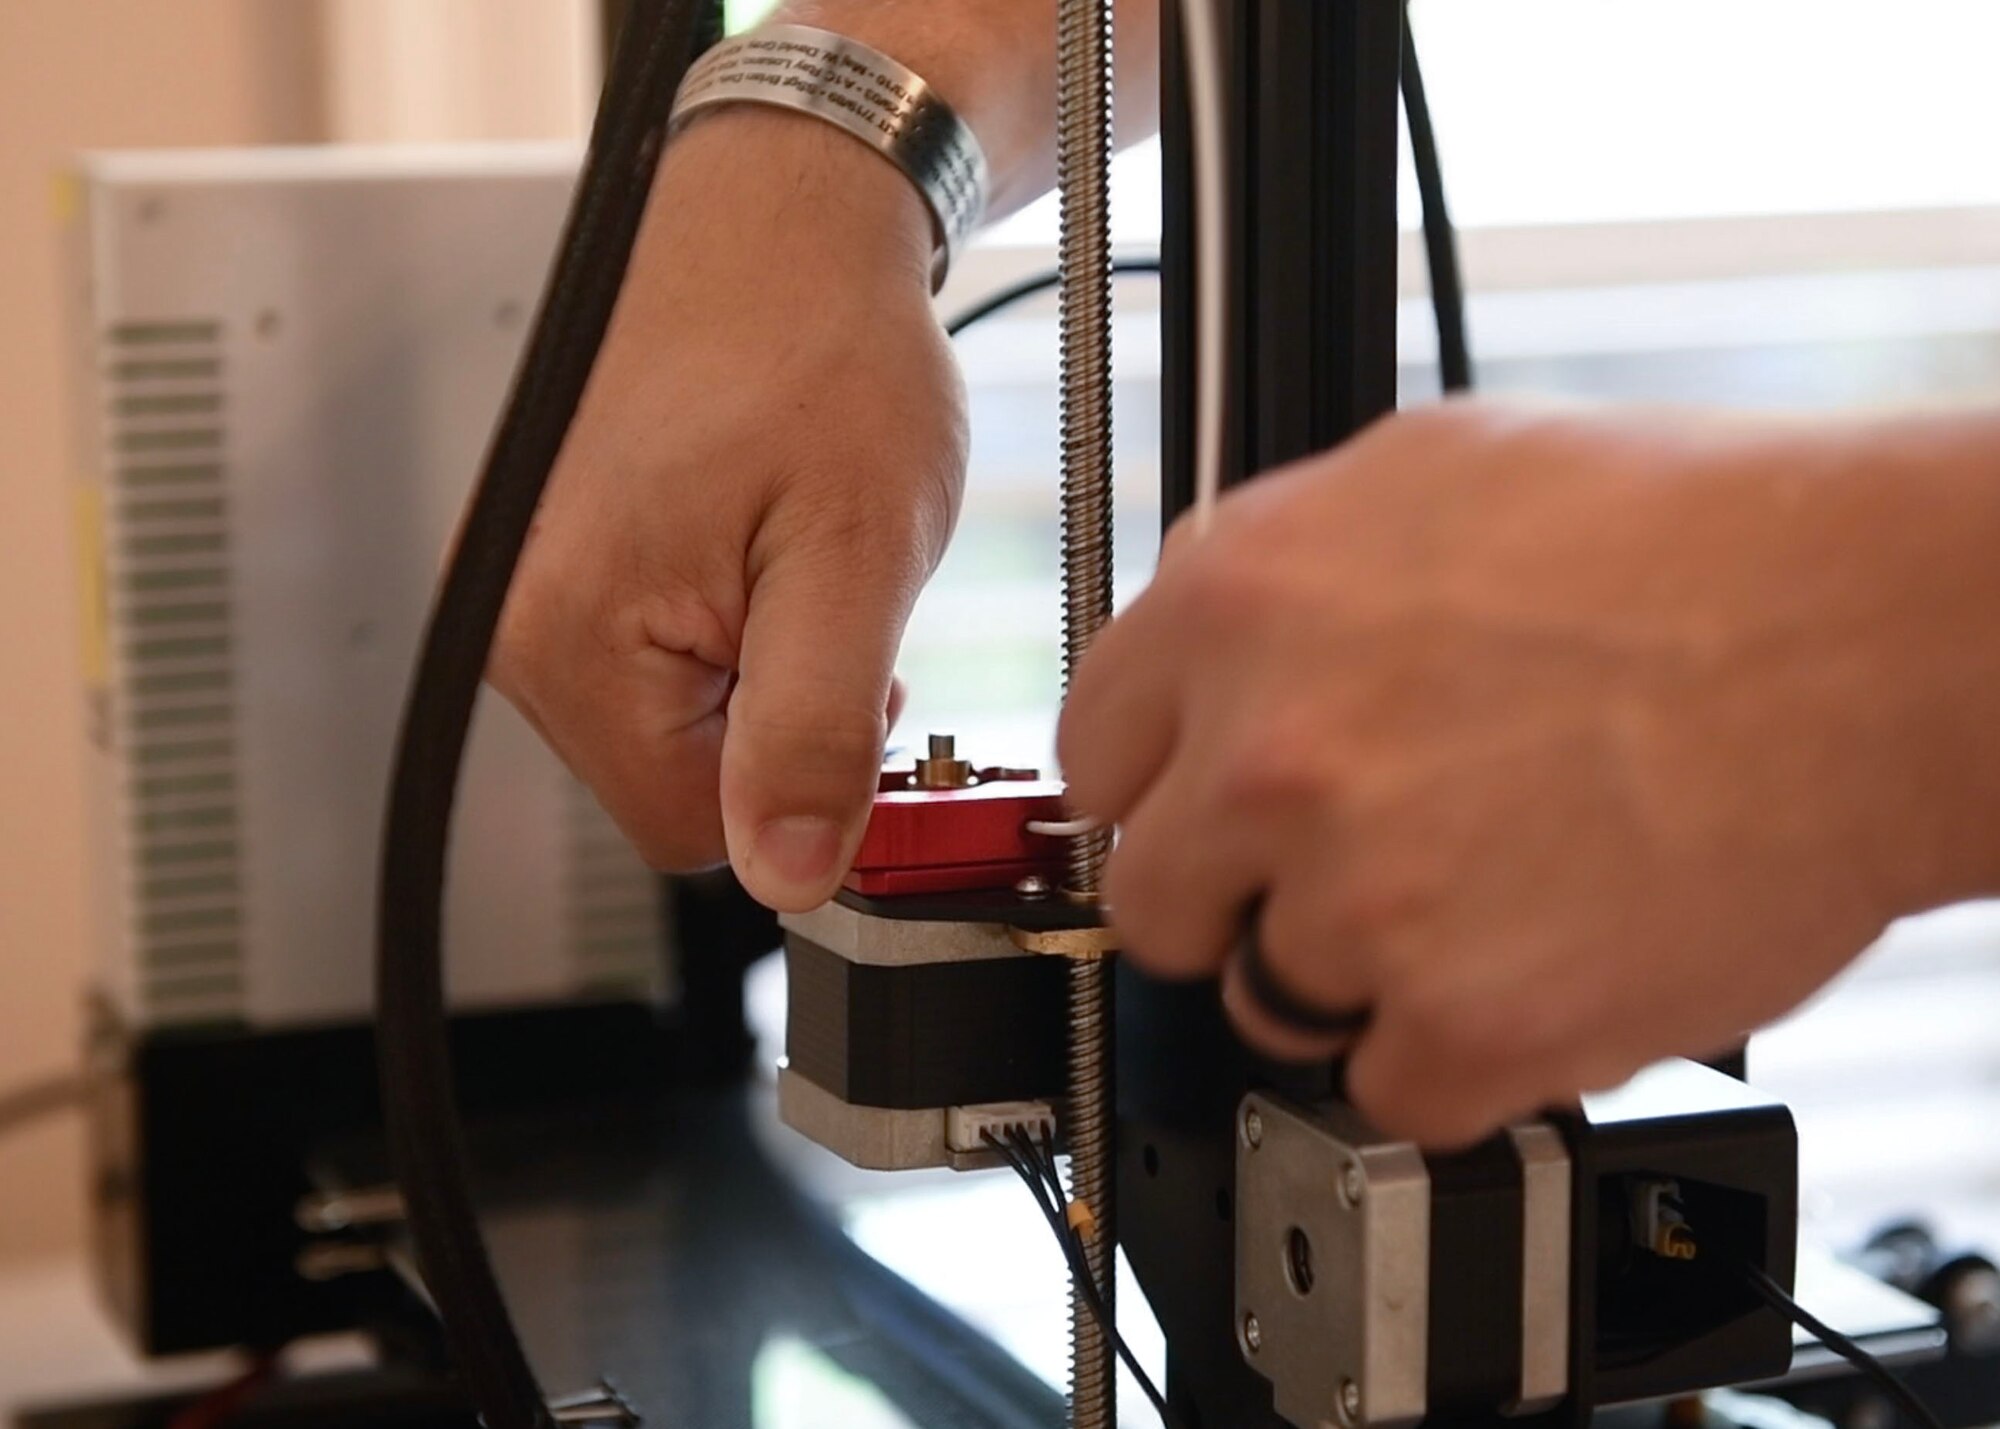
(1066, 942)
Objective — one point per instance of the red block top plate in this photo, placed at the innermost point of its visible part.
(929, 828)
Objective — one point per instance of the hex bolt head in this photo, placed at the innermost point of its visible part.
(1350, 1401)
(1253, 1128)
(1353, 1185)
(1253, 1333)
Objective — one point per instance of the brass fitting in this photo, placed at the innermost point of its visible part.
(944, 769)
(1066, 942)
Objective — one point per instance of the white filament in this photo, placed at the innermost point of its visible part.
(1202, 44)
(1064, 828)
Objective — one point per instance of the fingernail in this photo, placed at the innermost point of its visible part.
(799, 849)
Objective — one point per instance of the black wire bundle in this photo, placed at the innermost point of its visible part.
(1035, 1164)
(1034, 283)
(426, 1142)
(1773, 1294)
(1440, 238)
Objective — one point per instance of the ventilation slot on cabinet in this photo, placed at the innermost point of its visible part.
(613, 904)
(168, 584)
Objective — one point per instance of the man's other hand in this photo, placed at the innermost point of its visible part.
(1559, 742)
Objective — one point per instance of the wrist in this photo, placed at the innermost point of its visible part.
(1924, 526)
(779, 197)
(992, 61)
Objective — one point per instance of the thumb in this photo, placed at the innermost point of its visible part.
(802, 753)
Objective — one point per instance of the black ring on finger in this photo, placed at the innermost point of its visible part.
(1282, 1005)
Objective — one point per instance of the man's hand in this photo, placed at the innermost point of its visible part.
(766, 467)
(1559, 742)
(769, 459)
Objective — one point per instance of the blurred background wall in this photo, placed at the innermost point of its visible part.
(80, 74)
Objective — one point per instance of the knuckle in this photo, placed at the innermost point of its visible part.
(1480, 1030)
(1282, 773)
(840, 741)
(1440, 1016)
(837, 729)
(622, 616)
(1317, 942)
(1228, 582)
(1151, 932)
(823, 515)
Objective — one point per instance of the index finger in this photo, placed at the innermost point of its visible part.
(1120, 719)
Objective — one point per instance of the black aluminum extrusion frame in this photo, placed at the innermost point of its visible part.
(1313, 117)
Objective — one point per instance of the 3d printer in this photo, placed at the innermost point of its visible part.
(961, 1003)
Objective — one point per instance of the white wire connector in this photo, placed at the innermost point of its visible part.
(965, 1127)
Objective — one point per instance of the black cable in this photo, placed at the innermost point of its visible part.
(24, 1105)
(1773, 1294)
(1080, 1270)
(1046, 1187)
(1440, 238)
(1037, 1170)
(1447, 282)
(426, 1141)
(1027, 287)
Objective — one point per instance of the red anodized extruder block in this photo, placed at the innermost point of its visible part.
(938, 840)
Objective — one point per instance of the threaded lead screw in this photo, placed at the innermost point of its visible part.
(1083, 156)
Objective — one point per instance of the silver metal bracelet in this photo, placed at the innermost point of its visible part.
(886, 105)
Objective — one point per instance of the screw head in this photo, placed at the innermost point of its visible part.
(1253, 1128)
(1033, 886)
(1353, 1185)
(1350, 1401)
(1253, 1334)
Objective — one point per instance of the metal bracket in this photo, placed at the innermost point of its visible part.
(1545, 1266)
(1332, 1265)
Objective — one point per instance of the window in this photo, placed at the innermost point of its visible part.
(1780, 205)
